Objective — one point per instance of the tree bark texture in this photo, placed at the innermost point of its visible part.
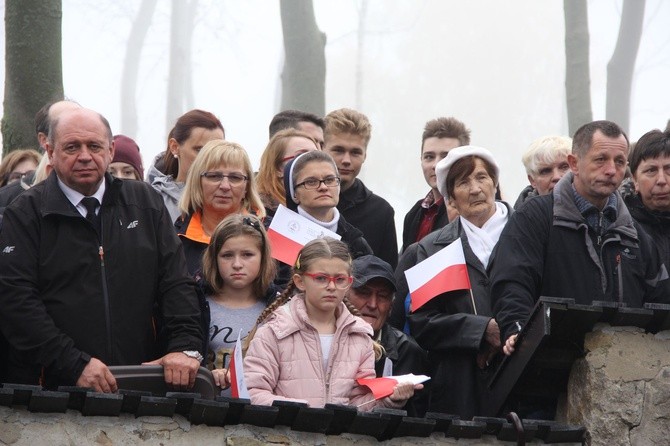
(304, 74)
(33, 67)
(621, 66)
(179, 79)
(577, 73)
(131, 67)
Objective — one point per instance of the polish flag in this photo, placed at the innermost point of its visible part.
(383, 387)
(443, 271)
(238, 387)
(290, 231)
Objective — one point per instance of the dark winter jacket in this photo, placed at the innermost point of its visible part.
(195, 242)
(452, 332)
(656, 224)
(413, 221)
(406, 357)
(549, 250)
(374, 217)
(68, 294)
(526, 194)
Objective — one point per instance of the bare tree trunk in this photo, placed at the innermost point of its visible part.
(577, 74)
(181, 33)
(360, 57)
(33, 67)
(304, 74)
(622, 65)
(131, 67)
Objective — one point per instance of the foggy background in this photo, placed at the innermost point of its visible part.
(499, 66)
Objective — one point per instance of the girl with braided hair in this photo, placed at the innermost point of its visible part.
(311, 347)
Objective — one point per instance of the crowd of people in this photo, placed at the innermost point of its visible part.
(100, 267)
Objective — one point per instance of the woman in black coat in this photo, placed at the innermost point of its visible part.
(457, 328)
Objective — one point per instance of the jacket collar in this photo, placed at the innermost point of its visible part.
(454, 230)
(292, 317)
(55, 201)
(390, 343)
(566, 214)
(355, 195)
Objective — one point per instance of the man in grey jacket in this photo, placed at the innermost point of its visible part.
(578, 242)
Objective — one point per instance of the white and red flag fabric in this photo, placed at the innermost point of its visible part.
(290, 231)
(443, 271)
(383, 387)
(238, 387)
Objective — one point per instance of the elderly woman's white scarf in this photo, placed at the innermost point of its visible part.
(483, 240)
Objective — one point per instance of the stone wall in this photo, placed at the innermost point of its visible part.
(620, 390)
(18, 427)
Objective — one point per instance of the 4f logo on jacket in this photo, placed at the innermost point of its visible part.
(132, 224)
(8, 249)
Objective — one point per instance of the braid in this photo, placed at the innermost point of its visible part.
(376, 346)
(279, 301)
(353, 310)
(284, 297)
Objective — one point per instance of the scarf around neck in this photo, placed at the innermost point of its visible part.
(330, 225)
(483, 240)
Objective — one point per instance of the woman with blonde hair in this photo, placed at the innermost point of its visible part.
(219, 183)
(284, 146)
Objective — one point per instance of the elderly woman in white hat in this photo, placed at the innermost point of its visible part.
(457, 328)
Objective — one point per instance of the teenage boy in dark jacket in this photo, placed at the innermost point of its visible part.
(346, 137)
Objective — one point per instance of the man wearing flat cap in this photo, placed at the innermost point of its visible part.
(372, 294)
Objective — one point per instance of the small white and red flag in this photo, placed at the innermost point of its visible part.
(238, 387)
(443, 271)
(383, 387)
(290, 231)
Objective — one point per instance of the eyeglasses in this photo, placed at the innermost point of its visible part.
(341, 281)
(234, 179)
(313, 183)
(15, 176)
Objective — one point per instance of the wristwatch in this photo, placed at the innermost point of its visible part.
(193, 354)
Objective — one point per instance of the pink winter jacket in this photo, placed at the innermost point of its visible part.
(284, 360)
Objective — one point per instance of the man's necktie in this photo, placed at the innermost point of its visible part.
(91, 203)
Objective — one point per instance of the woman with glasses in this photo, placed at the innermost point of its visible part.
(313, 190)
(17, 164)
(284, 146)
(219, 183)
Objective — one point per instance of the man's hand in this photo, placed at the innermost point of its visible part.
(492, 335)
(179, 370)
(404, 391)
(491, 345)
(97, 375)
(508, 348)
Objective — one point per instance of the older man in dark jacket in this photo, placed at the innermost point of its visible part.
(372, 294)
(86, 262)
(578, 242)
